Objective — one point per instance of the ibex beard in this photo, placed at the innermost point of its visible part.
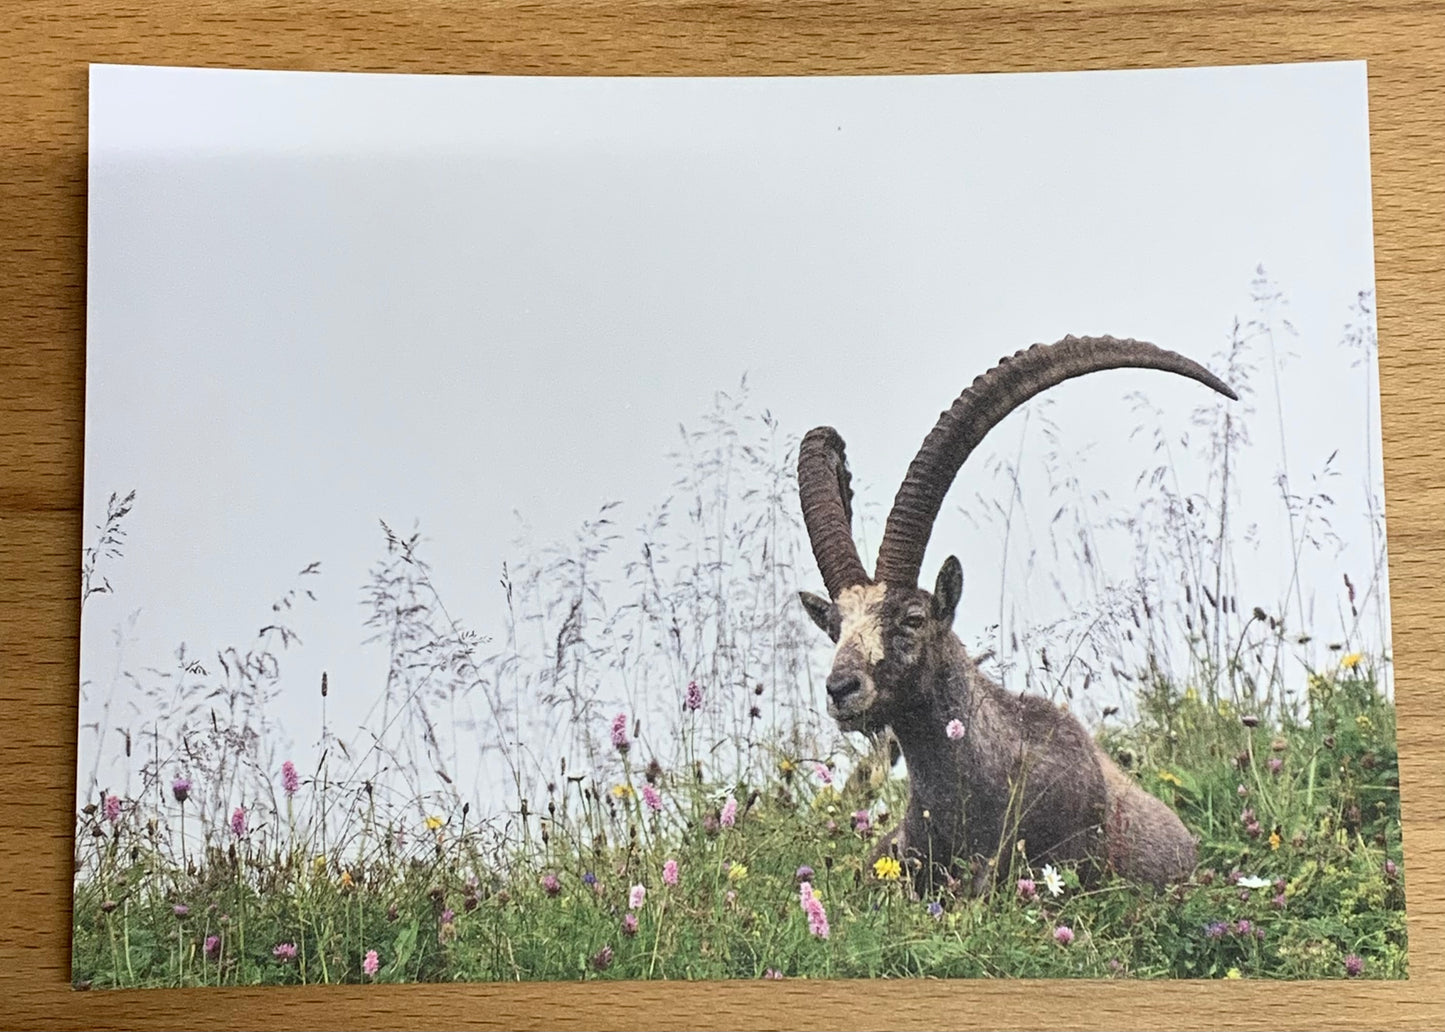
(992, 775)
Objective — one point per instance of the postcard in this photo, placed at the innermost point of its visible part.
(564, 529)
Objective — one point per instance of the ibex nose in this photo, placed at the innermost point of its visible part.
(842, 685)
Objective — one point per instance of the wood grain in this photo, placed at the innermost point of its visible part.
(46, 46)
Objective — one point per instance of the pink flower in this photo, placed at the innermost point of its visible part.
(112, 808)
(652, 797)
(669, 872)
(813, 907)
(1063, 935)
(1027, 889)
(692, 702)
(602, 959)
(1275, 764)
(729, 813)
(551, 885)
(370, 964)
(954, 729)
(213, 945)
(181, 910)
(1242, 791)
(773, 975)
(635, 897)
(286, 951)
(238, 822)
(1391, 870)
(824, 774)
(862, 823)
(181, 789)
(1354, 965)
(290, 780)
(629, 924)
(619, 733)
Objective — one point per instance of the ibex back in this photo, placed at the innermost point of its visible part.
(988, 770)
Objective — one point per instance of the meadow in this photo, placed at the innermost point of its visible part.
(678, 807)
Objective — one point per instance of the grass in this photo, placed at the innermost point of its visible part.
(376, 863)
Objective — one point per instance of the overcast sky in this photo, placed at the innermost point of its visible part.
(316, 301)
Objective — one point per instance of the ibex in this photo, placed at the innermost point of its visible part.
(989, 771)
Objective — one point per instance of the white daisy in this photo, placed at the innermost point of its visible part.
(1052, 881)
(1254, 882)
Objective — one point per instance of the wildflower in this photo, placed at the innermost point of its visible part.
(629, 924)
(729, 813)
(346, 880)
(1027, 889)
(692, 701)
(181, 789)
(1349, 663)
(622, 791)
(653, 773)
(589, 878)
(433, 823)
(636, 896)
(1354, 965)
(862, 823)
(824, 774)
(1171, 777)
(1278, 901)
(1275, 764)
(710, 824)
(1115, 965)
(786, 766)
(1052, 881)
(1274, 840)
(935, 910)
(737, 872)
(730, 897)
(813, 907)
(652, 797)
(181, 910)
(1232, 973)
(886, 868)
(112, 808)
(1242, 790)
(1214, 930)
(108, 906)
(1391, 870)
(773, 975)
(954, 729)
(238, 821)
(602, 959)
(669, 872)
(1063, 935)
(1252, 882)
(213, 945)
(449, 916)
(319, 863)
(284, 952)
(619, 733)
(804, 873)
(550, 884)
(370, 964)
(1243, 927)
(290, 780)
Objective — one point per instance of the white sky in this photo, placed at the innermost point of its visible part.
(317, 300)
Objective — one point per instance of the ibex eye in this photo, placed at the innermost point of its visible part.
(913, 621)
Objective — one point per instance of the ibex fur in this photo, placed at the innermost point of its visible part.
(988, 770)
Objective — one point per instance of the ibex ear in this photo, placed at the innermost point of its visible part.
(818, 610)
(947, 591)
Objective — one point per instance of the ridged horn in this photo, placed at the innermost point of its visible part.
(825, 489)
(979, 409)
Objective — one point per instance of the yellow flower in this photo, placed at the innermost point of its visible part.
(1363, 722)
(433, 823)
(621, 791)
(737, 872)
(1190, 695)
(786, 766)
(1232, 973)
(1171, 777)
(887, 869)
(1351, 661)
(1274, 840)
(319, 864)
(346, 879)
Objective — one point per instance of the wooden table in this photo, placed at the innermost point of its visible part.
(45, 46)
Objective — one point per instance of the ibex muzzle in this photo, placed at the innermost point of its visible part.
(987, 769)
